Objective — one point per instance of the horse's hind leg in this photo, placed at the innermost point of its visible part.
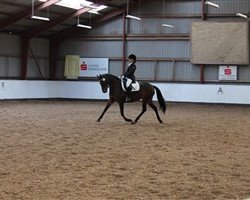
(151, 104)
(122, 112)
(144, 108)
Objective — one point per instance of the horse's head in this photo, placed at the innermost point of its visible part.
(103, 82)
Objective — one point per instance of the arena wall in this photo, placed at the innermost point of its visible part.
(90, 90)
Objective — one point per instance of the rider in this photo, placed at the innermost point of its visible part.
(129, 74)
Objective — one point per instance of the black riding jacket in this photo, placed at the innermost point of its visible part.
(129, 73)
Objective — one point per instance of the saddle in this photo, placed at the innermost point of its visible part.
(127, 83)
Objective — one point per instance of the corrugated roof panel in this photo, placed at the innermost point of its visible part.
(8, 8)
(29, 22)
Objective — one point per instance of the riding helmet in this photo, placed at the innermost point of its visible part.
(132, 56)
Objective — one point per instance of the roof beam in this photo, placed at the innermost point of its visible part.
(25, 13)
(73, 30)
(37, 31)
(111, 15)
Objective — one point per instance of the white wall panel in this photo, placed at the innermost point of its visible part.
(233, 94)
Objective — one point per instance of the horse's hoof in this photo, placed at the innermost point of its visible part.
(128, 120)
(98, 120)
(161, 121)
(133, 122)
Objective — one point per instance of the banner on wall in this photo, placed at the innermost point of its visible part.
(228, 73)
(71, 68)
(91, 67)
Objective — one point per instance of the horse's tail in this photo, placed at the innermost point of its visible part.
(161, 100)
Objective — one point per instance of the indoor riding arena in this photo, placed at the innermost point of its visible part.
(124, 99)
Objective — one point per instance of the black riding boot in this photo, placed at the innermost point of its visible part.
(128, 94)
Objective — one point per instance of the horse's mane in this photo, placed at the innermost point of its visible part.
(111, 77)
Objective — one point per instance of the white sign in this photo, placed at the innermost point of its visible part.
(228, 73)
(91, 67)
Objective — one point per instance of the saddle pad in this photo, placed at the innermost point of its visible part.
(135, 86)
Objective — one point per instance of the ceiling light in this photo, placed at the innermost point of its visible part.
(133, 17)
(242, 15)
(167, 25)
(84, 26)
(33, 16)
(212, 4)
(163, 12)
(40, 18)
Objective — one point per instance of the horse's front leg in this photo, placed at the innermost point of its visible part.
(105, 109)
(144, 108)
(121, 104)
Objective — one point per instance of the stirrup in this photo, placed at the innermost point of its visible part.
(128, 99)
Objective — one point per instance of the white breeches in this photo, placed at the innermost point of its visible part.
(128, 83)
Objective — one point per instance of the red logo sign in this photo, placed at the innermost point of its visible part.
(84, 66)
(228, 71)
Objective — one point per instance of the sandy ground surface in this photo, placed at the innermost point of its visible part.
(55, 150)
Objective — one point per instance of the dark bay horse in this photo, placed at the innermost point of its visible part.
(116, 94)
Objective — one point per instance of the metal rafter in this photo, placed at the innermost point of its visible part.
(37, 31)
(68, 32)
(74, 31)
(25, 13)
